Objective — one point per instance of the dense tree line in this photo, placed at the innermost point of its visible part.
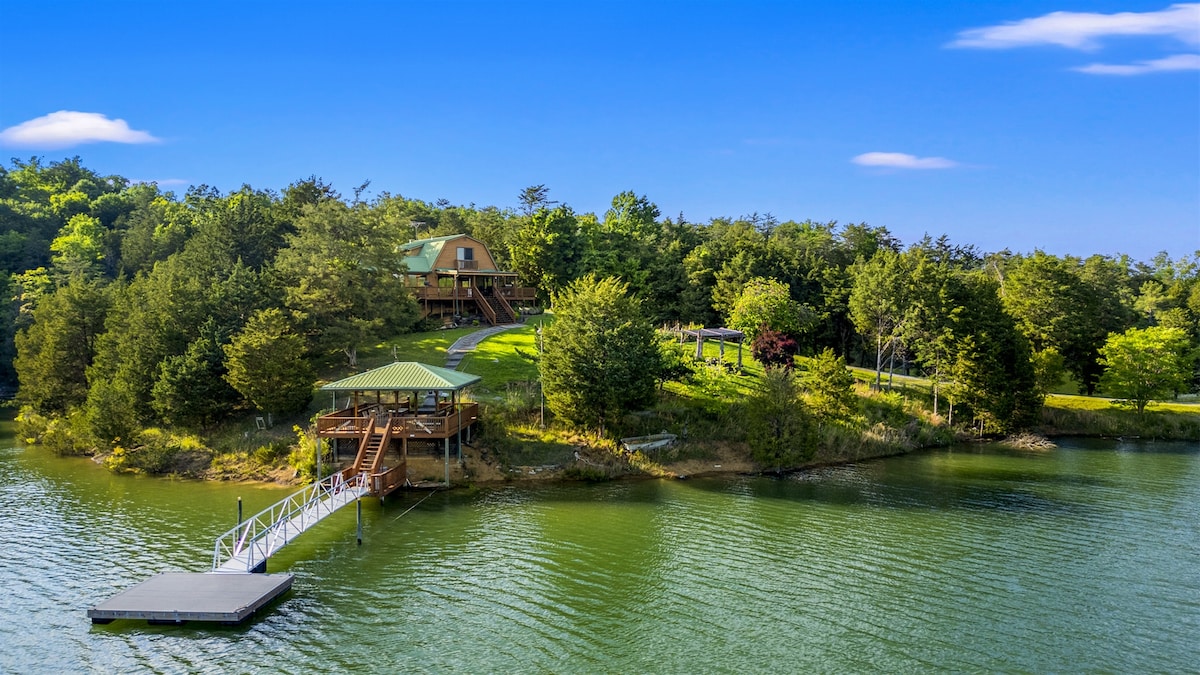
(133, 307)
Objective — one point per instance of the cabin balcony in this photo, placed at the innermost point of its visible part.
(442, 422)
(510, 293)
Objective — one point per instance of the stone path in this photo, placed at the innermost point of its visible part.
(468, 343)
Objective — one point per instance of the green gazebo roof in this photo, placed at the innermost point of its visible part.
(405, 376)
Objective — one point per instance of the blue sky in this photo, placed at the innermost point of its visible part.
(1069, 126)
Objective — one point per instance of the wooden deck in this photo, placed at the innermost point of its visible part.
(176, 597)
(442, 423)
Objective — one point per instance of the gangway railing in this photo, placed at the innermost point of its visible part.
(245, 548)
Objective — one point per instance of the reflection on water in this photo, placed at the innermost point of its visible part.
(1082, 558)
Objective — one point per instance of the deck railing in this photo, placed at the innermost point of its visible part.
(509, 293)
(385, 482)
(442, 423)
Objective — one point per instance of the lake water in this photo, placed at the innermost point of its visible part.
(1085, 558)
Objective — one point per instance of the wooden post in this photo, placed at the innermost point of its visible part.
(447, 446)
(358, 505)
(239, 511)
(699, 346)
(740, 341)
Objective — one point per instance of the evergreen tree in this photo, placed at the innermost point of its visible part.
(600, 356)
(344, 278)
(830, 386)
(191, 390)
(266, 364)
(780, 429)
(54, 352)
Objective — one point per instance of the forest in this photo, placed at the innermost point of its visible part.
(133, 307)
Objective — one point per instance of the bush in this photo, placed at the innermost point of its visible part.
(781, 433)
(774, 349)
(303, 457)
(159, 451)
(65, 436)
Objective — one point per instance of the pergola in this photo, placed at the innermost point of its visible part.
(408, 399)
(721, 334)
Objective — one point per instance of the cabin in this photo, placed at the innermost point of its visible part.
(456, 276)
(393, 410)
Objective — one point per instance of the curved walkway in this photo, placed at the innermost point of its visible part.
(468, 343)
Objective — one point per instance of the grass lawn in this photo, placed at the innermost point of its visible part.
(1075, 402)
(427, 348)
(505, 357)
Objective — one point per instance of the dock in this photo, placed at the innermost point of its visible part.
(177, 597)
(237, 585)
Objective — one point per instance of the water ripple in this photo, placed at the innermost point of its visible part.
(1079, 559)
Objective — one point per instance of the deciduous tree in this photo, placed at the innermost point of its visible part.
(1143, 365)
(546, 251)
(879, 302)
(768, 303)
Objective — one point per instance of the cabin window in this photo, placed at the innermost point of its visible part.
(465, 253)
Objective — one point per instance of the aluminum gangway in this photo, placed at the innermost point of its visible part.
(246, 547)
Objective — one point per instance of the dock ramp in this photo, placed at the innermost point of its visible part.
(246, 547)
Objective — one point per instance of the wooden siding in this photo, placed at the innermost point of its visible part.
(448, 258)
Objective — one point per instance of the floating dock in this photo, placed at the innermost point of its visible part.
(237, 586)
(176, 597)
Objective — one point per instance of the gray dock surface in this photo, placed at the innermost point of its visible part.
(175, 597)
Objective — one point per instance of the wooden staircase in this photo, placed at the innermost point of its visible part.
(497, 309)
(372, 448)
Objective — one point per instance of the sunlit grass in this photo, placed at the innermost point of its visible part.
(505, 357)
(1075, 402)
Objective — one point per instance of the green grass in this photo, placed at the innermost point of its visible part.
(1076, 402)
(503, 358)
(1089, 416)
(429, 347)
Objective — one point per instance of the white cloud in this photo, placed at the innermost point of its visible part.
(900, 160)
(1084, 30)
(1170, 63)
(65, 128)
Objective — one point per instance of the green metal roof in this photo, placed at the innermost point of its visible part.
(428, 251)
(427, 254)
(405, 376)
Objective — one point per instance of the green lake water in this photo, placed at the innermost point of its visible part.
(1085, 558)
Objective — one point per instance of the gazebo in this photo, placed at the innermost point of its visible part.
(721, 334)
(387, 407)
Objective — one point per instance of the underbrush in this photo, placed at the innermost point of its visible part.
(158, 451)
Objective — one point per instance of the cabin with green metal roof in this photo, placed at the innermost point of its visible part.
(456, 276)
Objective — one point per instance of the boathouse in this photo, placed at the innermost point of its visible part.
(387, 411)
(456, 275)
